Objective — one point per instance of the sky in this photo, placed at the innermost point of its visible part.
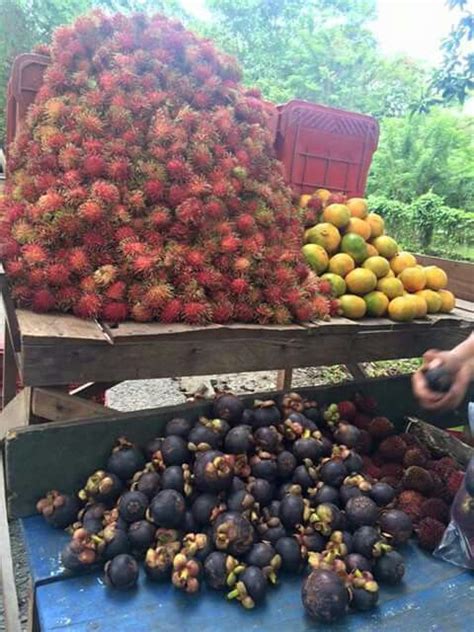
(411, 27)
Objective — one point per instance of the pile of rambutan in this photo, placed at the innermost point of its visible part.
(144, 186)
(425, 485)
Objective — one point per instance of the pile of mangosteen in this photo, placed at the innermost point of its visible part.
(237, 500)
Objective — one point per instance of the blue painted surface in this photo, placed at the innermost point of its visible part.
(43, 546)
(434, 597)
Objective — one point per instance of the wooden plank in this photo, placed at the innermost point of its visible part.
(284, 379)
(16, 413)
(93, 361)
(467, 306)
(92, 389)
(10, 371)
(8, 592)
(460, 275)
(56, 405)
(80, 447)
(57, 327)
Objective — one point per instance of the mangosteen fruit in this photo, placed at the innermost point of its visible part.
(197, 545)
(353, 462)
(365, 598)
(325, 596)
(213, 471)
(221, 570)
(305, 475)
(92, 517)
(178, 426)
(241, 501)
(77, 556)
(262, 490)
(59, 510)
(286, 464)
(361, 511)
(382, 493)
(159, 561)
(121, 572)
(114, 542)
(346, 492)
(272, 530)
(175, 450)
(326, 518)
(263, 555)
(438, 379)
(312, 411)
(266, 414)
(189, 524)
(125, 460)
(347, 434)
(357, 562)
(267, 438)
(186, 573)
(232, 532)
(292, 509)
(141, 535)
(251, 587)
(167, 509)
(327, 494)
(202, 437)
(263, 465)
(389, 568)
(308, 448)
(368, 542)
(101, 487)
(397, 525)
(132, 506)
(153, 446)
(147, 482)
(247, 417)
(239, 440)
(289, 550)
(236, 485)
(204, 508)
(314, 542)
(333, 472)
(229, 407)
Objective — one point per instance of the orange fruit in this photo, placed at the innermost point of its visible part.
(448, 301)
(389, 275)
(325, 235)
(316, 257)
(433, 300)
(376, 224)
(421, 307)
(358, 207)
(323, 195)
(390, 287)
(337, 283)
(361, 281)
(379, 266)
(359, 227)
(401, 309)
(337, 214)
(413, 279)
(355, 246)
(402, 260)
(436, 278)
(341, 264)
(352, 306)
(372, 251)
(377, 303)
(304, 199)
(386, 246)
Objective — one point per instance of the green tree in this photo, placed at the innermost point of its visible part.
(422, 153)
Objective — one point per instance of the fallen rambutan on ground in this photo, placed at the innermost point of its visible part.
(144, 152)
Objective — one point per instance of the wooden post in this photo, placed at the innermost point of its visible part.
(284, 379)
(10, 371)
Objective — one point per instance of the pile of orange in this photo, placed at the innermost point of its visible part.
(368, 273)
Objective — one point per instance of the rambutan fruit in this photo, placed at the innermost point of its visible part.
(229, 243)
(361, 421)
(246, 224)
(34, 254)
(430, 533)
(105, 275)
(143, 265)
(415, 456)
(391, 469)
(435, 508)
(57, 274)
(364, 443)
(141, 313)
(369, 468)
(393, 449)
(320, 307)
(114, 312)
(88, 306)
(365, 403)
(119, 169)
(66, 297)
(116, 291)
(222, 312)
(105, 192)
(411, 503)
(78, 260)
(91, 212)
(153, 190)
(177, 169)
(380, 428)
(303, 312)
(454, 482)
(156, 296)
(418, 479)
(243, 312)
(42, 300)
(94, 166)
(444, 466)
(347, 410)
(239, 286)
(15, 269)
(172, 311)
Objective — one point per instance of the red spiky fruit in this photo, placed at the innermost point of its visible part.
(435, 508)
(430, 533)
(393, 449)
(43, 300)
(347, 410)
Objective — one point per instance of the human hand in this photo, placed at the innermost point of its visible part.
(460, 371)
